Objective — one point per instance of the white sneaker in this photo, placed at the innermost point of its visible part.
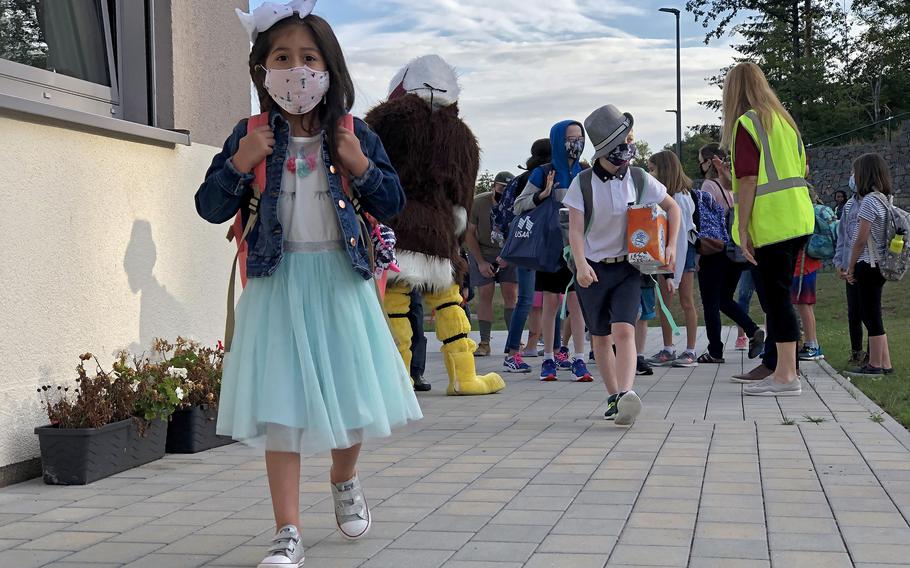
(286, 550)
(628, 409)
(352, 514)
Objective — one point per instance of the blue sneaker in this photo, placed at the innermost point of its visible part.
(563, 360)
(516, 364)
(580, 370)
(808, 353)
(548, 370)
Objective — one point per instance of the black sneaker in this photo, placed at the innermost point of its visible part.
(421, 385)
(642, 368)
(757, 344)
(612, 407)
(867, 371)
(888, 371)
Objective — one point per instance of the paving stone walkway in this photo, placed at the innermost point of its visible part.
(530, 477)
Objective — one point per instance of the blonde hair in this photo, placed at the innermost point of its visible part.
(670, 172)
(745, 89)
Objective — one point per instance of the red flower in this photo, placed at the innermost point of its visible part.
(220, 346)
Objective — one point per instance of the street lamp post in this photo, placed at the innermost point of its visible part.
(675, 12)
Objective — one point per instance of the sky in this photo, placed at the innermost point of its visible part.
(524, 65)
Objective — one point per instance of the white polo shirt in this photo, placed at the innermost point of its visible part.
(611, 198)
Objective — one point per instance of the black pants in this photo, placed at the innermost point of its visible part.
(419, 340)
(773, 278)
(717, 280)
(854, 317)
(870, 283)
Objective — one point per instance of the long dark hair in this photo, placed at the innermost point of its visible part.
(709, 151)
(340, 97)
(871, 174)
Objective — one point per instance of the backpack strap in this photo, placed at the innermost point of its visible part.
(258, 187)
(638, 178)
(585, 179)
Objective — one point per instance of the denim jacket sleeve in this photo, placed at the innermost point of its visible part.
(379, 187)
(225, 189)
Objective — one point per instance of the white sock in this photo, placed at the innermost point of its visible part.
(579, 356)
(548, 355)
(690, 351)
(670, 348)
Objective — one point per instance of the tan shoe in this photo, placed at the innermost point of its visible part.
(483, 350)
(757, 374)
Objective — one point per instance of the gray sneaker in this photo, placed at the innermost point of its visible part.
(286, 550)
(627, 409)
(663, 359)
(352, 514)
(770, 387)
(686, 360)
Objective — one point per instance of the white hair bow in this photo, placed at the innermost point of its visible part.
(269, 13)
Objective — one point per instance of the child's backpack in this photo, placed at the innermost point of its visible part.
(823, 241)
(378, 239)
(585, 179)
(709, 220)
(893, 265)
(502, 215)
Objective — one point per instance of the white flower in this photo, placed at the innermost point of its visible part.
(135, 386)
(177, 372)
(179, 393)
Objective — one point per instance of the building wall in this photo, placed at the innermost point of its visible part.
(102, 249)
(830, 167)
(211, 70)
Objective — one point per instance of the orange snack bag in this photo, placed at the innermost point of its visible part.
(647, 238)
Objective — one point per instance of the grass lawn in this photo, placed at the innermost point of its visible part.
(892, 393)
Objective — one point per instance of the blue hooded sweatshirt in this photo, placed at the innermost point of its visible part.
(559, 163)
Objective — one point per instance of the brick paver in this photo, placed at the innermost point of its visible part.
(530, 477)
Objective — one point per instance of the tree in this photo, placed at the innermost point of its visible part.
(21, 36)
(642, 154)
(694, 139)
(484, 182)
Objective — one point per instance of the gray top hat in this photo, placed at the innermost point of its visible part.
(607, 128)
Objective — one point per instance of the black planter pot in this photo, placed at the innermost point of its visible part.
(193, 430)
(76, 456)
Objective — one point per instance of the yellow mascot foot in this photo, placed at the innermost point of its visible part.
(463, 377)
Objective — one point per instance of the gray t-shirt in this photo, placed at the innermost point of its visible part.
(873, 210)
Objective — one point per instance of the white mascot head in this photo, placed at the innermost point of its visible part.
(429, 77)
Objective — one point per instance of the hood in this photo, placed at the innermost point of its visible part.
(560, 160)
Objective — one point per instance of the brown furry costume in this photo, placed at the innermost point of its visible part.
(437, 158)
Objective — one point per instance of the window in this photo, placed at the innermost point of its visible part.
(60, 52)
(100, 57)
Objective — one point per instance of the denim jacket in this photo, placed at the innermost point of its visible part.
(226, 191)
(848, 220)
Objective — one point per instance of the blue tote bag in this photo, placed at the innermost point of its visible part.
(535, 239)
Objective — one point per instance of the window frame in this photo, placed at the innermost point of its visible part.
(41, 85)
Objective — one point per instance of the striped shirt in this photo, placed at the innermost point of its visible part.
(873, 211)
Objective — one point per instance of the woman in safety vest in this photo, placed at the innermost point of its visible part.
(773, 215)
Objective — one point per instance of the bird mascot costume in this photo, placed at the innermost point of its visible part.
(437, 158)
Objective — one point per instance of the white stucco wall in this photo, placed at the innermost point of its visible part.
(100, 249)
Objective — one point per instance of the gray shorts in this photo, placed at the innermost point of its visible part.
(614, 298)
(507, 275)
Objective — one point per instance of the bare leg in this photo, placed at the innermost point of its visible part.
(641, 336)
(284, 485)
(534, 328)
(807, 316)
(344, 464)
(879, 354)
(568, 329)
(606, 361)
(577, 323)
(665, 328)
(786, 363)
(548, 319)
(687, 301)
(509, 291)
(485, 302)
(624, 336)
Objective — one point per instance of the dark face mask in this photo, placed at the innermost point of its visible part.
(621, 155)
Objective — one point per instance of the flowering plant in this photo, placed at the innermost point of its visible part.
(197, 367)
(100, 399)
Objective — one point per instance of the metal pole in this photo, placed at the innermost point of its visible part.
(678, 94)
(675, 12)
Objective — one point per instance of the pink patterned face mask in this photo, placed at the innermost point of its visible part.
(298, 90)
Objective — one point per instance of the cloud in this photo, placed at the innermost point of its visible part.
(524, 65)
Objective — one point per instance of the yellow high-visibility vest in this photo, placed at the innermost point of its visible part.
(782, 209)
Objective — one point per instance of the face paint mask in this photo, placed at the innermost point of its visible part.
(621, 155)
(852, 183)
(298, 90)
(574, 148)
